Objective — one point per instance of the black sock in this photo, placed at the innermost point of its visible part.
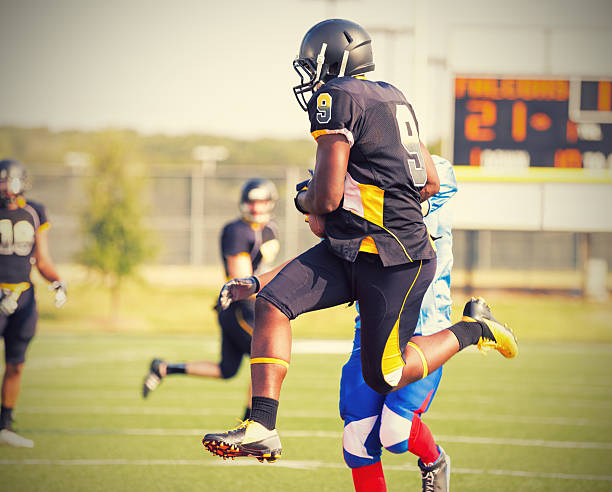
(264, 411)
(178, 368)
(6, 417)
(469, 332)
(247, 413)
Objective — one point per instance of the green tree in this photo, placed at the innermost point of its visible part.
(115, 240)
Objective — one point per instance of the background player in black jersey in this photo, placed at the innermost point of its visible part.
(23, 242)
(371, 173)
(247, 244)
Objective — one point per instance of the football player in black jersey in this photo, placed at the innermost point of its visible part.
(23, 242)
(371, 173)
(247, 243)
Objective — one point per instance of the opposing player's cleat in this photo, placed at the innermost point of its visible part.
(436, 478)
(10, 438)
(153, 378)
(500, 338)
(249, 439)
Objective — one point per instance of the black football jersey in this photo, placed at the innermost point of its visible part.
(18, 239)
(381, 202)
(260, 243)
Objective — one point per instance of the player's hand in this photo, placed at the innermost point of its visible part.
(8, 302)
(425, 208)
(238, 289)
(61, 296)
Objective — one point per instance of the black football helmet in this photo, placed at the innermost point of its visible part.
(13, 180)
(257, 200)
(332, 48)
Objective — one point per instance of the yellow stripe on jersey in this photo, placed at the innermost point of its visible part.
(18, 289)
(317, 133)
(392, 362)
(341, 131)
(373, 200)
(367, 202)
(243, 324)
(368, 245)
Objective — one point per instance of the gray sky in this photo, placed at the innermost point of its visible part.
(225, 67)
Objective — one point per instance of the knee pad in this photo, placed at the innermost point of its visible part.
(360, 444)
(395, 430)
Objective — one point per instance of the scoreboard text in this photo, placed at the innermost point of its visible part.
(518, 123)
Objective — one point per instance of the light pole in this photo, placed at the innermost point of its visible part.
(208, 156)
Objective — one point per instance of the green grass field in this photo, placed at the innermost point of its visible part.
(541, 422)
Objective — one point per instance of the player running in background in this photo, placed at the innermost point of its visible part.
(371, 173)
(247, 243)
(23, 242)
(393, 421)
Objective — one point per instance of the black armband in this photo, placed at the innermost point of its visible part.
(297, 205)
(257, 284)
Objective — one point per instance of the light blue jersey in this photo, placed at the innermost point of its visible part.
(371, 420)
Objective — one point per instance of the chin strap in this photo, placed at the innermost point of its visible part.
(345, 56)
(320, 61)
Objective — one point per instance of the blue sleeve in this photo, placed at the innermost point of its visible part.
(448, 183)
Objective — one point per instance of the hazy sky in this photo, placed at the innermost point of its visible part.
(225, 67)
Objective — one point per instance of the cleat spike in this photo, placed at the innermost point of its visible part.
(263, 444)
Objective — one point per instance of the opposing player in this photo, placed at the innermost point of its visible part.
(371, 173)
(23, 242)
(247, 244)
(393, 421)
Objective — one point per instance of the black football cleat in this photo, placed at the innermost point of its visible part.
(153, 378)
(249, 439)
(500, 337)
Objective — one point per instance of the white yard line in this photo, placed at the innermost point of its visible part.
(299, 346)
(296, 465)
(337, 435)
(105, 357)
(63, 361)
(127, 410)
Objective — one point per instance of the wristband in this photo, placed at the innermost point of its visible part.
(297, 205)
(257, 284)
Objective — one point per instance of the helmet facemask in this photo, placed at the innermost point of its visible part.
(13, 182)
(258, 201)
(257, 211)
(311, 72)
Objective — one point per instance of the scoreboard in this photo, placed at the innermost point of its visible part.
(516, 123)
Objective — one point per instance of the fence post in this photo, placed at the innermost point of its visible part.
(292, 176)
(196, 233)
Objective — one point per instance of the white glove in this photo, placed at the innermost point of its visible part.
(60, 293)
(8, 302)
(425, 208)
(238, 289)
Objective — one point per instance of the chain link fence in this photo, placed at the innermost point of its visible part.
(187, 208)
